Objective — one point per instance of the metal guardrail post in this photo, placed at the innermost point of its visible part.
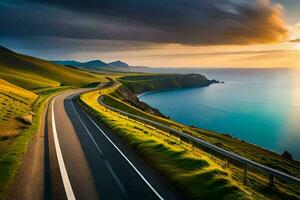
(228, 163)
(271, 180)
(245, 174)
(192, 146)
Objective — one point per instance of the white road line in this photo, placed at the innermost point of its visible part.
(62, 167)
(92, 138)
(106, 162)
(130, 163)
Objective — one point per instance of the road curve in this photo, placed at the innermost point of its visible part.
(86, 161)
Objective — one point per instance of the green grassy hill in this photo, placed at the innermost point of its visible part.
(144, 83)
(14, 102)
(32, 73)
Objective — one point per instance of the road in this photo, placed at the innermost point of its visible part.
(87, 161)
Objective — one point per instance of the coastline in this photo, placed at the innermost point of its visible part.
(144, 93)
(212, 131)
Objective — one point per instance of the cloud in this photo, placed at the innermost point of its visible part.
(294, 33)
(221, 53)
(295, 40)
(186, 22)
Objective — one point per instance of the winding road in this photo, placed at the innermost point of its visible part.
(86, 161)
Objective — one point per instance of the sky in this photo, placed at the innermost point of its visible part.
(156, 33)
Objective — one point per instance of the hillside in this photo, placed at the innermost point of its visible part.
(31, 73)
(137, 84)
(164, 81)
(14, 102)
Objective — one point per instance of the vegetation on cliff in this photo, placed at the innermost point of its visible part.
(137, 84)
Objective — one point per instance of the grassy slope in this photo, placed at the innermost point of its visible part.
(14, 102)
(116, 103)
(143, 83)
(251, 151)
(199, 177)
(31, 73)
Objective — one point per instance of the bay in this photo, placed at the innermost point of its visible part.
(260, 106)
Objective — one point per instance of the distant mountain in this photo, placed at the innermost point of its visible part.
(93, 64)
(88, 64)
(118, 64)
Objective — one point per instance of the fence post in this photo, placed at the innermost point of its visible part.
(245, 174)
(192, 147)
(271, 180)
(228, 163)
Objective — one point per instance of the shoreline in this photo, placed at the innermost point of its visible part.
(144, 93)
(220, 133)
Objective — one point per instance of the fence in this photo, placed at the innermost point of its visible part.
(230, 155)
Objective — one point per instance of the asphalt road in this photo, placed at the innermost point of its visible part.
(87, 161)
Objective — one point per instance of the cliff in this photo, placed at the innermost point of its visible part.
(133, 85)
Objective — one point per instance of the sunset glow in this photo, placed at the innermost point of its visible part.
(256, 33)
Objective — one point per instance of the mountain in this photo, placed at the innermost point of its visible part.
(93, 64)
(118, 64)
(31, 73)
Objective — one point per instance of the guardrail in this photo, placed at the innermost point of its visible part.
(194, 140)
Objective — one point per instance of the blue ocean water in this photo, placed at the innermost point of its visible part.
(260, 106)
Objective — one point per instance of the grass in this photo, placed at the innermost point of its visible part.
(14, 103)
(194, 184)
(13, 146)
(116, 103)
(150, 82)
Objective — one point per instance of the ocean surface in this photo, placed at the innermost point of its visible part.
(260, 106)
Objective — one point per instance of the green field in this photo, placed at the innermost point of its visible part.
(150, 82)
(209, 180)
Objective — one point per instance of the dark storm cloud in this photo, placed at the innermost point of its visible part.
(191, 22)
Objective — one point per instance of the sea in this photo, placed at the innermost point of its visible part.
(260, 106)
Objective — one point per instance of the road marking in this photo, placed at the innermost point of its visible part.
(130, 163)
(92, 138)
(61, 164)
(106, 162)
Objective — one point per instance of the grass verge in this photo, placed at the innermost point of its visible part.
(16, 145)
